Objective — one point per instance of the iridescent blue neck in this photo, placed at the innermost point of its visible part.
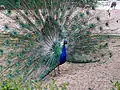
(64, 49)
(63, 55)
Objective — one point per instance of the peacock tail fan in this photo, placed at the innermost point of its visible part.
(32, 45)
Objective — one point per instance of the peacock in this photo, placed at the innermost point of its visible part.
(47, 33)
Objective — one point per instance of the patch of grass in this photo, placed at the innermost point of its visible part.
(18, 84)
(117, 85)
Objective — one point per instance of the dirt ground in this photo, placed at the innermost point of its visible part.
(91, 76)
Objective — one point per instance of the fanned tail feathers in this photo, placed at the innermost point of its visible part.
(32, 46)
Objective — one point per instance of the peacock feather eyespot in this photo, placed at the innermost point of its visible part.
(6, 27)
(95, 42)
(38, 38)
(17, 72)
(92, 26)
(76, 34)
(31, 58)
(81, 15)
(14, 33)
(22, 25)
(28, 63)
(76, 18)
(4, 83)
(50, 18)
(31, 42)
(22, 40)
(10, 75)
(20, 55)
(1, 67)
(62, 8)
(36, 33)
(36, 67)
(18, 64)
(74, 27)
(11, 54)
(60, 27)
(44, 13)
(16, 45)
(101, 28)
(98, 18)
(87, 12)
(38, 21)
(6, 42)
(28, 35)
(57, 12)
(8, 62)
(9, 12)
(1, 52)
(25, 50)
(16, 17)
(26, 12)
(88, 33)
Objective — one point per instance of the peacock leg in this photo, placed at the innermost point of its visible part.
(55, 73)
(58, 69)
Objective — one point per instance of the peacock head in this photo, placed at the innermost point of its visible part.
(65, 42)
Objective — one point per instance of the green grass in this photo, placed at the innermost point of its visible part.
(17, 84)
(117, 85)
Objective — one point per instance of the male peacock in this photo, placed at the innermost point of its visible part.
(44, 35)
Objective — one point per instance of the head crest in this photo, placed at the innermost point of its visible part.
(65, 42)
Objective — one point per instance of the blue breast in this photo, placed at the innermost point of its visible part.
(63, 55)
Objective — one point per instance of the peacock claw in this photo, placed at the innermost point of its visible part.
(58, 70)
